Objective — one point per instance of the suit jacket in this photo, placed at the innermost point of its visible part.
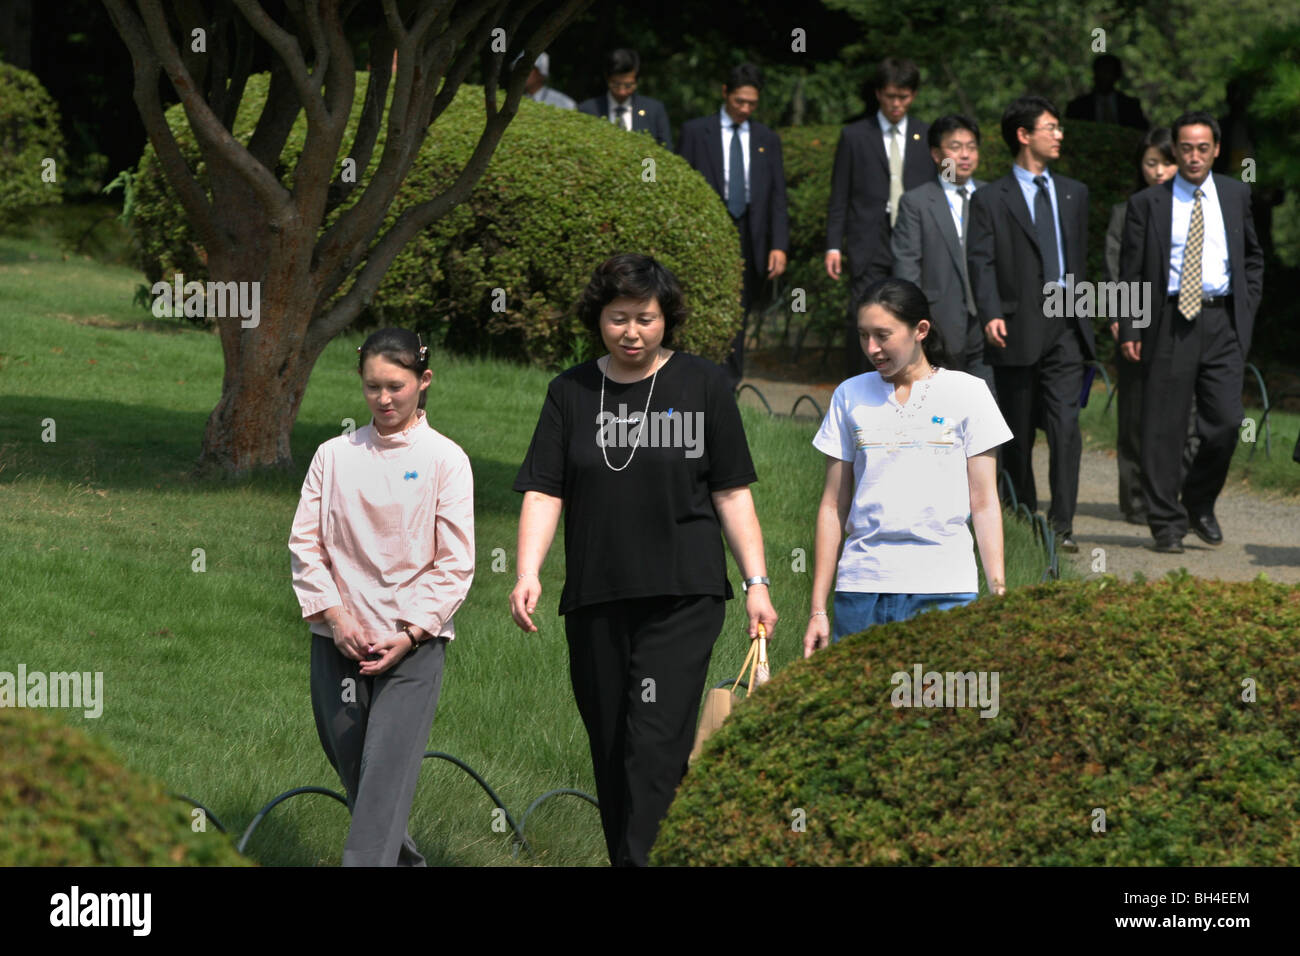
(1127, 108)
(927, 251)
(648, 115)
(1006, 266)
(857, 220)
(769, 221)
(1144, 256)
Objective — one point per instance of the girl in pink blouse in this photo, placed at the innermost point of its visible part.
(382, 554)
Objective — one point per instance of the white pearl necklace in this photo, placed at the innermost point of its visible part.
(644, 415)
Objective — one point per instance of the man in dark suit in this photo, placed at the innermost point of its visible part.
(876, 161)
(1105, 104)
(741, 159)
(1029, 234)
(929, 241)
(625, 107)
(1193, 239)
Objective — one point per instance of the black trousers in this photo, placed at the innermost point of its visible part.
(638, 669)
(1128, 439)
(1202, 358)
(1047, 394)
(753, 282)
(968, 356)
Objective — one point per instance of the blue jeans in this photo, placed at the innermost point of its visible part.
(858, 610)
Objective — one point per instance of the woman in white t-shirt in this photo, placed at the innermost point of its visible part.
(909, 459)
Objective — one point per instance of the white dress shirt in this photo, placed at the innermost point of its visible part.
(1216, 277)
(951, 193)
(613, 117)
(884, 133)
(726, 153)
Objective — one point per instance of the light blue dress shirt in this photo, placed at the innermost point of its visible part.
(1030, 190)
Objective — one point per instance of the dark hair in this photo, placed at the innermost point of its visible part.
(907, 303)
(1194, 118)
(746, 74)
(1158, 137)
(620, 61)
(950, 123)
(1108, 59)
(896, 71)
(399, 346)
(1021, 115)
(634, 276)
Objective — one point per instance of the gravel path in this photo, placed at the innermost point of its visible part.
(1261, 533)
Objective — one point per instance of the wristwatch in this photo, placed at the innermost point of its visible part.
(757, 579)
(406, 629)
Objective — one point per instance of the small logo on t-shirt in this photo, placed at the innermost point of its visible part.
(410, 474)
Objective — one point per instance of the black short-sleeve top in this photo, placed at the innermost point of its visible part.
(649, 528)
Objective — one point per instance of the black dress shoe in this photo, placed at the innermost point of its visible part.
(1065, 541)
(1207, 529)
(1169, 544)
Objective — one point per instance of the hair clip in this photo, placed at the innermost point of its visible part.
(424, 350)
(358, 349)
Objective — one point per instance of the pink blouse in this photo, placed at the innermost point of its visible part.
(385, 527)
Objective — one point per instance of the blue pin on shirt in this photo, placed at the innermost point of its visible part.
(409, 475)
(937, 419)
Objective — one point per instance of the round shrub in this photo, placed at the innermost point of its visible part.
(1130, 700)
(563, 192)
(67, 801)
(29, 135)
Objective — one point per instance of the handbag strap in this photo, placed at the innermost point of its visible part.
(750, 660)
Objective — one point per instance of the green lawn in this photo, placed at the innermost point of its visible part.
(205, 672)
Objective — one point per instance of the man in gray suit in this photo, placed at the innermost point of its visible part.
(929, 241)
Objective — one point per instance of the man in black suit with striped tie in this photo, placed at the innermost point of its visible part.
(623, 106)
(741, 159)
(877, 159)
(1193, 239)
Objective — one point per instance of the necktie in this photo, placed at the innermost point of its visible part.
(736, 175)
(895, 173)
(1189, 282)
(1045, 225)
(964, 192)
(622, 117)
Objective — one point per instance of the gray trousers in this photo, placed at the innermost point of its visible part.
(374, 731)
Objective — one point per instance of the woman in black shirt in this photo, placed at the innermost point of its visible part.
(644, 452)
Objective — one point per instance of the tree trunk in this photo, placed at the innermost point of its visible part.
(267, 366)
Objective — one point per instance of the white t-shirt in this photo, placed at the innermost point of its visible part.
(906, 532)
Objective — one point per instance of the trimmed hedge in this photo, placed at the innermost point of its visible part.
(29, 134)
(67, 801)
(1103, 157)
(563, 192)
(1123, 697)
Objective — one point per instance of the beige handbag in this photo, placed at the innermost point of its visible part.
(718, 701)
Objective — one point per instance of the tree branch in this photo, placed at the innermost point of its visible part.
(215, 141)
(147, 100)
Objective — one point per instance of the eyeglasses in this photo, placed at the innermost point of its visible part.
(618, 87)
(1050, 129)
